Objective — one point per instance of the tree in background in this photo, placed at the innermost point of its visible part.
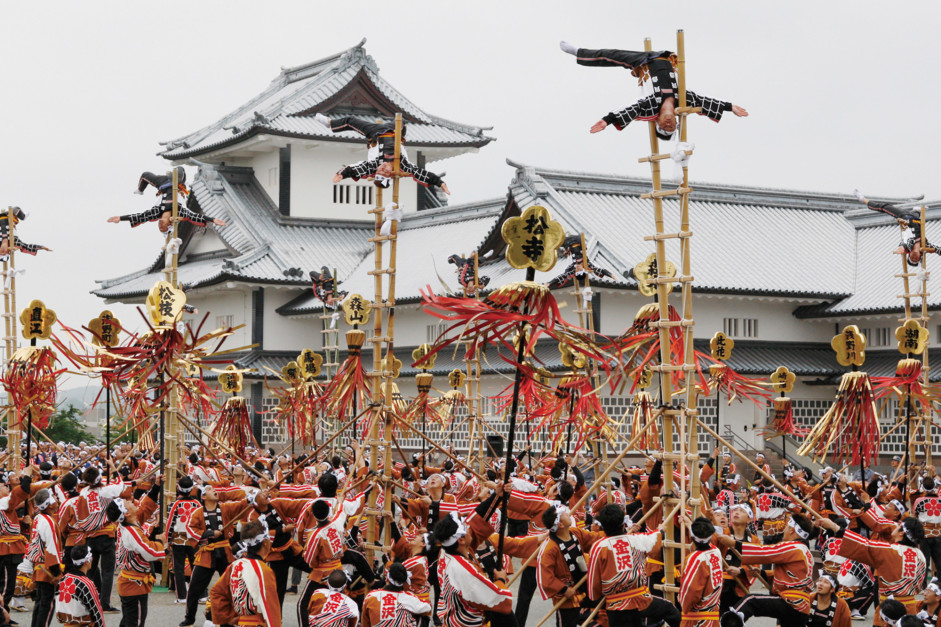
(67, 426)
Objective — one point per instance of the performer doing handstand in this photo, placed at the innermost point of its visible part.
(907, 219)
(658, 69)
(162, 212)
(380, 138)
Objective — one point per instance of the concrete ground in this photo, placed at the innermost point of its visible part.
(164, 613)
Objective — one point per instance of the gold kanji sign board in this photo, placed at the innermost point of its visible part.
(533, 239)
(37, 321)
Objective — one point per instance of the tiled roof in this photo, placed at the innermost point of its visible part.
(288, 105)
(425, 241)
(261, 246)
(755, 359)
(876, 288)
(745, 240)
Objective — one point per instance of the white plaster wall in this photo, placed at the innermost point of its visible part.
(289, 334)
(223, 301)
(207, 242)
(267, 168)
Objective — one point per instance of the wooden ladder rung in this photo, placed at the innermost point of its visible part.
(666, 324)
(671, 279)
(383, 305)
(383, 271)
(672, 544)
(662, 236)
(687, 110)
(914, 295)
(660, 157)
(663, 193)
(673, 368)
(377, 340)
(910, 274)
(380, 373)
(381, 238)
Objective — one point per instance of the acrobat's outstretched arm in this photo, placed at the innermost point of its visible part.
(29, 249)
(422, 176)
(648, 109)
(357, 171)
(157, 212)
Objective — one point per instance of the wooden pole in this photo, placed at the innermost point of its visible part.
(760, 470)
(11, 340)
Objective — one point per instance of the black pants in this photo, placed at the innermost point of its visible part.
(182, 553)
(661, 70)
(931, 547)
(771, 605)
(45, 602)
(525, 595)
(659, 609)
(199, 583)
(102, 567)
(8, 564)
(134, 611)
(730, 596)
(501, 620)
(862, 599)
(567, 617)
(282, 567)
(303, 601)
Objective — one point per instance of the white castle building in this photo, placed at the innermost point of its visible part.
(780, 271)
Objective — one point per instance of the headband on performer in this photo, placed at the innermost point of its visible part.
(934, 586)
(699, 540)
(888, 621)
(261, 537)
(898, 505)
(459, 533)
(745, 508)
(84, 560)
(400, 583)
(122, 508)
(559, 510)
(49, 501)
(797, 529)
(239, 549)
(345, 584)
(834, 584)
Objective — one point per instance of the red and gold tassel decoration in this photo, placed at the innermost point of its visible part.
(350, 381)
(849, 431)
(234, 425)
(782, 420)
(643, 415)
(733, 384)
(30, 379)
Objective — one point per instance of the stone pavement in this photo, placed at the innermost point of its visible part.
(162, 612)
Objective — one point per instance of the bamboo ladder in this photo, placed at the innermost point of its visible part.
(173, 433)
(923, 423)
(11, 342)
(586, 320)
(330, 339)
(382, 375)
(680, 419)
(476, 438)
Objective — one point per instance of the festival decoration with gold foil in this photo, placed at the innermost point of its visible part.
(291, 372)
(37, 321)
(30, 378)
(356, 310)
(720, 346)
(105, 329)
(348, 388)
(644, 379)
(392, 364)
(646, 271)
(782, 380)
(309, 363)
(418, 357)
(912, 337)
(165, 304)
(571, 358)
(533, 239)
(850, 346)
(230, 380)
(456, 378)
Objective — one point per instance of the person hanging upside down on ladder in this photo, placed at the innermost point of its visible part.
(907, 219)
(380, 139)
(656, 71)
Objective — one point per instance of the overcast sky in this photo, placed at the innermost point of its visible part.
(841, 95)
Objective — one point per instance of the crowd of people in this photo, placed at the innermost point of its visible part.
(593, 543)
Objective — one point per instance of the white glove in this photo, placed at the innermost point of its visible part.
(320, 117)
